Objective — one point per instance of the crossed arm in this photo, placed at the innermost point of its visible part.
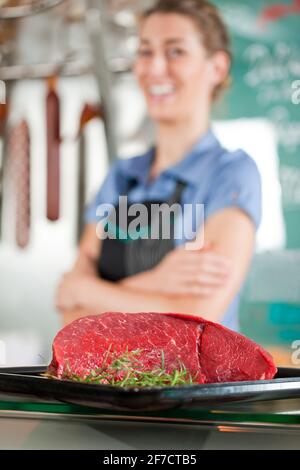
(201, 282)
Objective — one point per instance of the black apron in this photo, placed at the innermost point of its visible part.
(122, 258)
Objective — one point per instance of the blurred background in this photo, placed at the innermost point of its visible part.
(70, 105)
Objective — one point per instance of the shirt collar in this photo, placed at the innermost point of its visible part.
(138, 168)
(193, 164)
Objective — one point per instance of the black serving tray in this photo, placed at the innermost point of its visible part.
(28, 382)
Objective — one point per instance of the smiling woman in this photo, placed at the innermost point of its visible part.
(182, 65)
(184, 51)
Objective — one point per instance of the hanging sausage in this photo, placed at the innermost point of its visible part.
(88, 113)
(53, 147)
(23, 186)
(18, 153)
(3, 121)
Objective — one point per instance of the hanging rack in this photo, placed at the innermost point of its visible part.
(20, 11)
(39, 71)
(65, 68)
(72, 68)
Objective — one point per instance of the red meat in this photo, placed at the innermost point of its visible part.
(208, 351)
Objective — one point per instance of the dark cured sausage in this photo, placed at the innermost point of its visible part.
(53, 159)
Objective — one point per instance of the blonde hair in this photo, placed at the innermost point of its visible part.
(209, 23)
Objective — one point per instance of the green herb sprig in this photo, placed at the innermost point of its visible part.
(124, 371)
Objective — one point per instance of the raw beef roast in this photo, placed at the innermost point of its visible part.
(208, 351)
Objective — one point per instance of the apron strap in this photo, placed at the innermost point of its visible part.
(176, 196)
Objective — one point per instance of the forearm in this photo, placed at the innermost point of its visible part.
(176, 305)
(67, 316)
(85, 264)
(137, 294)
(211, 307)
(107, 296)
(141, 281)
(89, 251)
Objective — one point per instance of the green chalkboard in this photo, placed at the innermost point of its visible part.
(266, 83)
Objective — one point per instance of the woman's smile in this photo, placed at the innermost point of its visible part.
(162, 90)
(161, 93)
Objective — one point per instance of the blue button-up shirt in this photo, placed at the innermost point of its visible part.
(213, 176)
